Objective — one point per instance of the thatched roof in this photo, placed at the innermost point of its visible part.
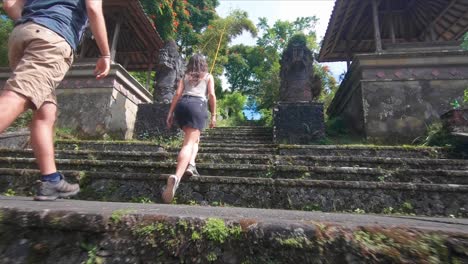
(350, 29)
(138, 43)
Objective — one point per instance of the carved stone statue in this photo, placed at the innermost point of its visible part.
(297, 74)
(170, 69)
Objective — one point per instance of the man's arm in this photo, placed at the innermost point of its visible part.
(13, 8)
(98, 27)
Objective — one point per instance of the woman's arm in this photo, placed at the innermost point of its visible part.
(175, 99)
(13, 8)
(212, 101)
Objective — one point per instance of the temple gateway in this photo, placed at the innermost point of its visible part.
(405, 64)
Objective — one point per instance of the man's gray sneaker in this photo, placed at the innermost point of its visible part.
(191, 171)
(49, 191)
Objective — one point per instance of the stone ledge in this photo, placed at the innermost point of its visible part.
(56, 232)
(330, 196)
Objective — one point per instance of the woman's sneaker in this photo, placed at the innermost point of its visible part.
(171, 187)
(191, 171)
(49, 191)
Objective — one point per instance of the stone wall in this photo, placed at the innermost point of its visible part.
(400, 94)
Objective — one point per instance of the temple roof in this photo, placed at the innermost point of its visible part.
(350, 29)
(139, 42)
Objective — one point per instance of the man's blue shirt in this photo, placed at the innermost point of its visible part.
(65, 17)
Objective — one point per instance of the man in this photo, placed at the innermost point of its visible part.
(40, 52)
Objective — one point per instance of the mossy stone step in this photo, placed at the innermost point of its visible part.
(249, 147)
(247, 158)
(103, 145)
(365, 151)
(374, 162)
(83, 232)
(327, 196)
(162, 156)
(256, 170)
(234, 141)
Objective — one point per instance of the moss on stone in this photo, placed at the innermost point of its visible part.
(216, 230)
(117, 215)
(295, 242)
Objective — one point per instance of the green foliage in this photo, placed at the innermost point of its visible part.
(9, 192)
(224, 29)
(144, 200)
(91, 250)
(22, 121)
(142, 76)
(6, 26)
(465, 41)
(196, 236)
(183, 21)
(216, 230)
(230, 108)
(145, 231)
(211, 257)
(117, 215)
(279, 35)
(436, 135)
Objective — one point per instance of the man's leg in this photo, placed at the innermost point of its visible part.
(52, 184)
(11, 106)
(42, 137)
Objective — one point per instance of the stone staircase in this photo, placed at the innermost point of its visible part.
(242, 167)
(237, 164)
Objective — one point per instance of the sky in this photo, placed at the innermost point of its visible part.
(283, 10)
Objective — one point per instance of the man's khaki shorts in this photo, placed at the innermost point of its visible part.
(39, 59)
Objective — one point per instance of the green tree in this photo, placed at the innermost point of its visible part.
(224, 29)
(183, 21)
(280, 33)
(6, 26)
(230, 108)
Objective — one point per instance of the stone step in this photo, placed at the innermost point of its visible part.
(297, 194)
(265, 159)
(154, 147)
(374, 162)
(234, 141)
(365, 151)
(256, 170)
(242, 128)
(71, 231)
(145, 156)
(103, 145)
(248, 147)
(237, 133)
(244, 138)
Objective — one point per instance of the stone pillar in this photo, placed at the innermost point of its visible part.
(297, 120)
(151, 117)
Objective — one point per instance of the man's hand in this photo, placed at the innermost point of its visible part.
(102, 67)
(13, 8)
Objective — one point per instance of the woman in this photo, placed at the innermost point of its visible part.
(190, 111)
